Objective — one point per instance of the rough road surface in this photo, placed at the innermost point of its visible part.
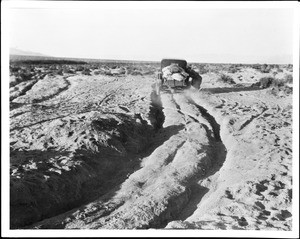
(105, 152)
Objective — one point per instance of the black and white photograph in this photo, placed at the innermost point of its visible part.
(163, 118)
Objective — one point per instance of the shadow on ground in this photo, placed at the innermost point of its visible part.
(218, 90)
(108, 175)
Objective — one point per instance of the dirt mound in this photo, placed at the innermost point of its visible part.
(64, 160)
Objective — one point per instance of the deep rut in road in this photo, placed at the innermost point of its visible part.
(218, 156)
(215, 126)
(156, 115)
(165, 187)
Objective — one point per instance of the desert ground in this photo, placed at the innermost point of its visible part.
(92, 146)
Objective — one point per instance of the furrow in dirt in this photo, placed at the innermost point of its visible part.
(212, 121)
(27, 87)
(247, 122)
(44, 89)
(218, 156)
(59, 91)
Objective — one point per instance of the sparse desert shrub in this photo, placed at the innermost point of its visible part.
(279, 70)
(136, 72)
(13, 81)
(279, 82)
(93, 67)
(53, 67)
(86, 71)
(129, 70)
(265, 82)
(150, 72)
(107, 72)
(255, 66)
(226, 79)
(24, 76)
(118, 71)
(79, 68)
(288, 79)
(41, 76)
(14, 69)
(265, 68)
(281, 91)
(202, 69)
(59, 72)
(68, 71)
(233, 69)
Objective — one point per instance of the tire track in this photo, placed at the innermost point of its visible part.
(253, 117)
(196, 191)
(247, 122)
(28, 87)
(57, 93)
(212, 121)
(165, 187)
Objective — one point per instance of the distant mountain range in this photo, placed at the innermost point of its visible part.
(15, 51)
(28, 57)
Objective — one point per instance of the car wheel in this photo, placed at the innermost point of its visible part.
(196, 83)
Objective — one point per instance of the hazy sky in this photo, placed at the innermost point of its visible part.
(201, 35)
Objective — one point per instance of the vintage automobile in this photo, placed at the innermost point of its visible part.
(188, 77)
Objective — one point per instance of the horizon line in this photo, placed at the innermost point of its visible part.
(139, 60)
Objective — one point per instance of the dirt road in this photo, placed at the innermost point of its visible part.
(114, 155)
